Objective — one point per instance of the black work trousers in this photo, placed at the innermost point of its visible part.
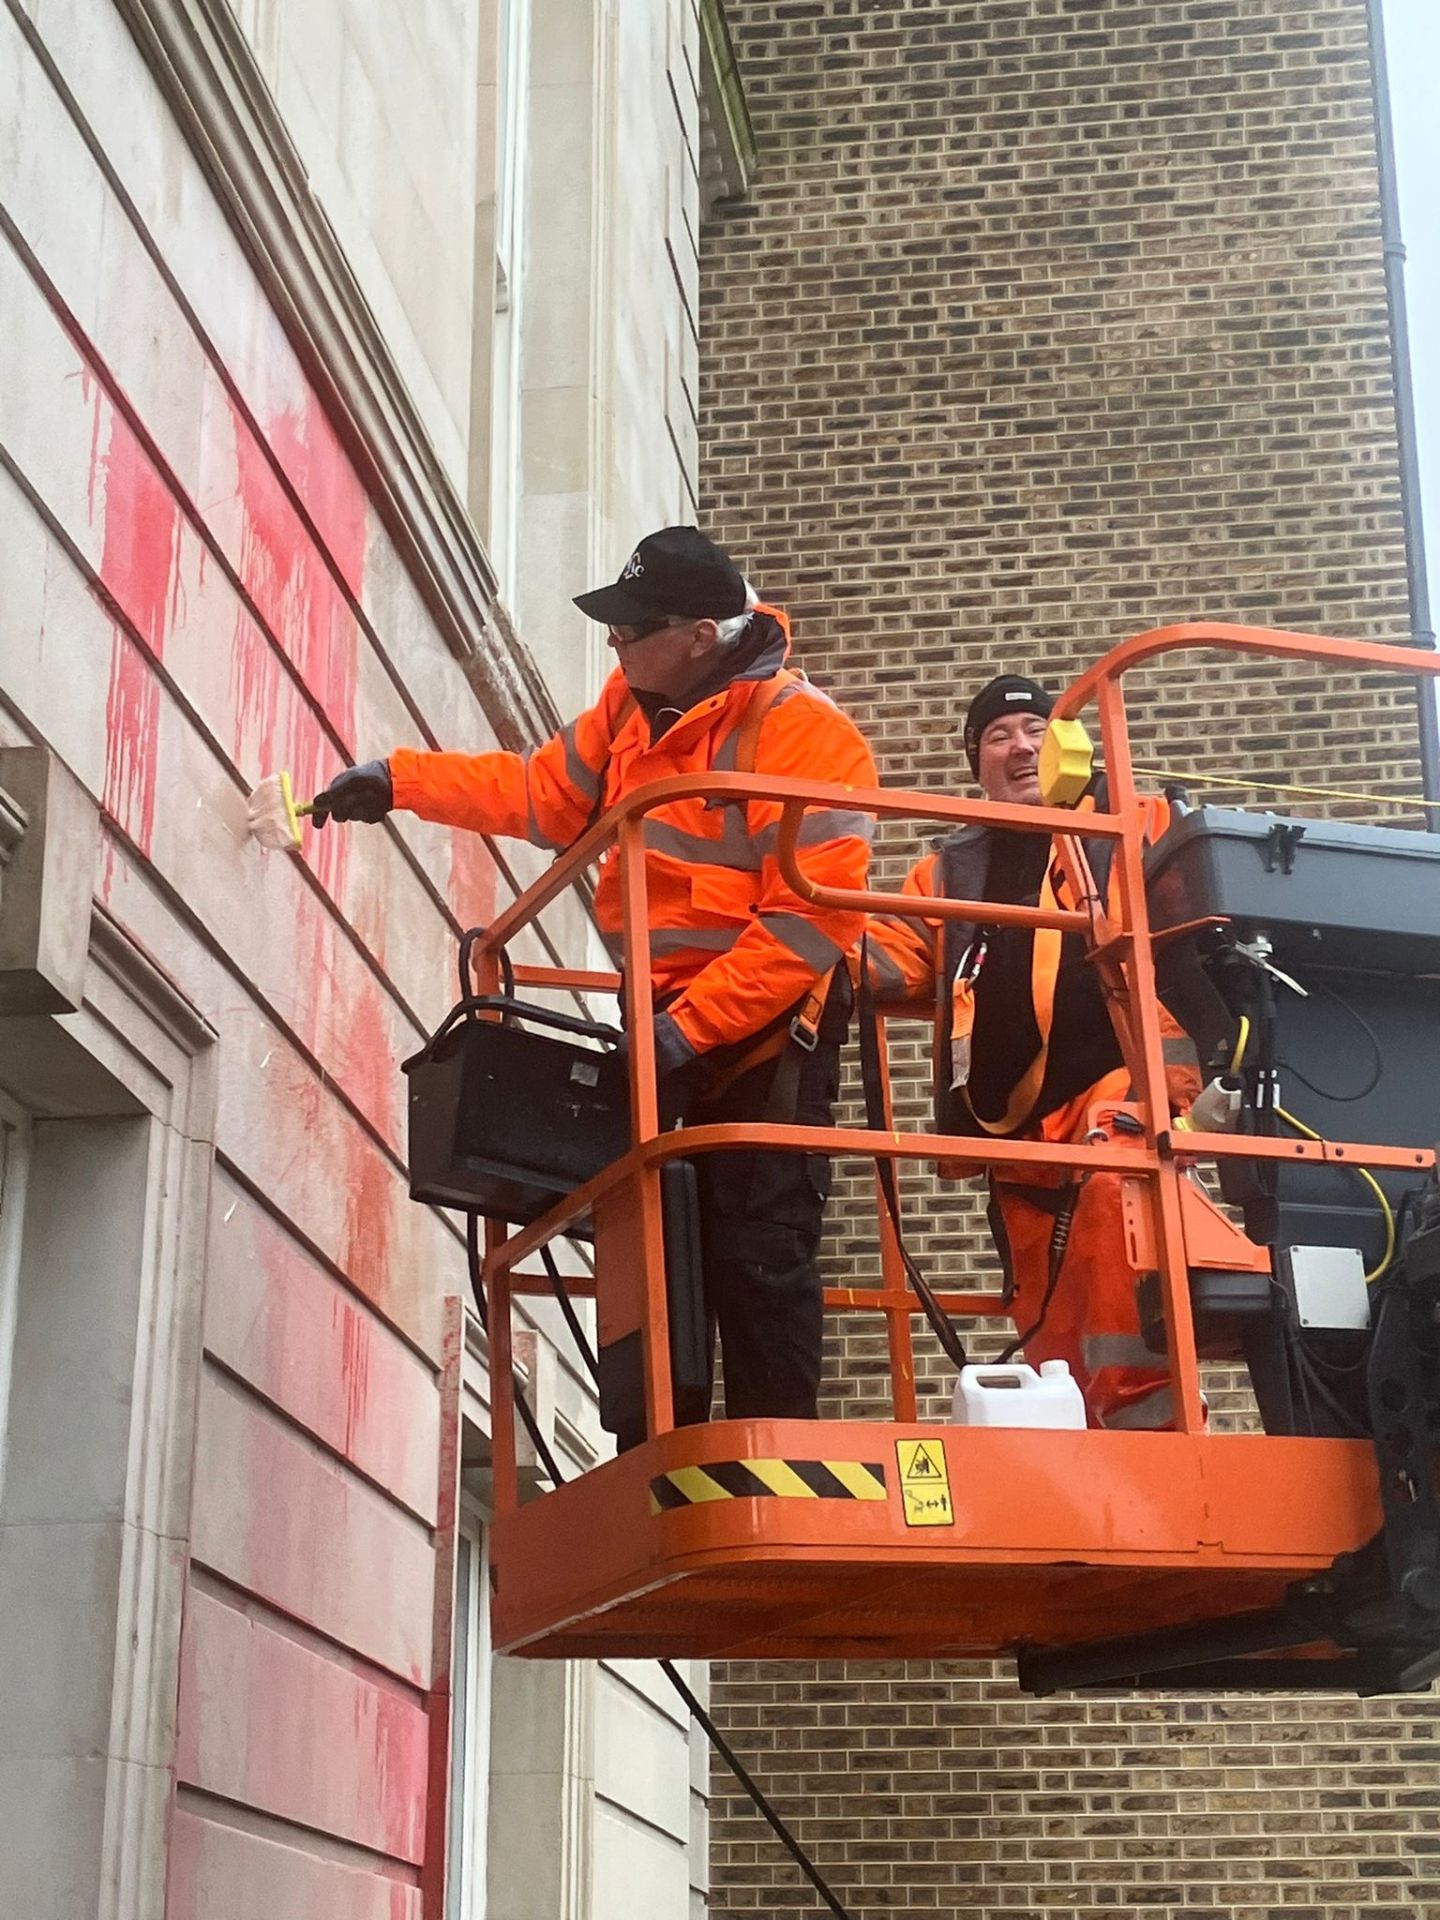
(760, 1222)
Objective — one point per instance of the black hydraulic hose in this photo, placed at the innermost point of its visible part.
(941, 1325)
(572, 1319)
(707, 1726)
(737, 1767)
(527, 1418)
(1059, 1241)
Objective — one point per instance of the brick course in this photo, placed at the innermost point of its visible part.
(1046, 322)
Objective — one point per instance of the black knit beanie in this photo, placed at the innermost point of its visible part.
(1010, 693)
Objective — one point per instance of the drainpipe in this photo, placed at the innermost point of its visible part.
(1421, 631)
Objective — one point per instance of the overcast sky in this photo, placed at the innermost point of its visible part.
(1412, 46)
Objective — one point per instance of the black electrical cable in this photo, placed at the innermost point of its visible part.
(1311, 1378)
(707, 1725)
(567, 1307)
(737, 1767)
(1059, 1241)
(1378, 1070)
(527, 1418)
(941, 1325)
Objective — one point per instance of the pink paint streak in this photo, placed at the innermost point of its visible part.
(472, 879)
(142, 537)
(132, 741)
(139, 571)
(355, 1338)
(318, 468)
(369, 1225)
(401, 1766)
(367, 1065)
(277, 1321)
(289, 578)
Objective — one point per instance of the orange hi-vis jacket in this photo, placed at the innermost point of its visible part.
(916, 960)
(731, 947)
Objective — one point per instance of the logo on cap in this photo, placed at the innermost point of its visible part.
(1018, 693)
(634, 567)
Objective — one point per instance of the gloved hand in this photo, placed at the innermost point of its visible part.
(359, 793)
(679, 1070)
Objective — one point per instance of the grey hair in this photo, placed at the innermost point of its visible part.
(727, 632)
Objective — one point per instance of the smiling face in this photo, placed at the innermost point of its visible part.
(1009, 758)
(666, 659)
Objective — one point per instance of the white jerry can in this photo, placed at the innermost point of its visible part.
(1015, 1395)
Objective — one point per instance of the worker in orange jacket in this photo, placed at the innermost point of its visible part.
(752, 999)
(1024, 1049)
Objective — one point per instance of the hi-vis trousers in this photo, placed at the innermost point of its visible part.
(1091, 1320)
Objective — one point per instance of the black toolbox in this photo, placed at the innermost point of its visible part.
(504, 1120)
(1333, 893)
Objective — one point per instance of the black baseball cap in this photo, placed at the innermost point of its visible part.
(1009, 693)
(674, 571)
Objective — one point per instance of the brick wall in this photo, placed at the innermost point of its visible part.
(1046, 322)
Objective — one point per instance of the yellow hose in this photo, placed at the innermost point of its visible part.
(1365, 1174)
(1242, 1040)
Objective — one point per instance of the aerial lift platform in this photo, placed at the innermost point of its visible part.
(1284, 1559)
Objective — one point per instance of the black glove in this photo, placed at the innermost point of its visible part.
(680, 1072)
(359, 793)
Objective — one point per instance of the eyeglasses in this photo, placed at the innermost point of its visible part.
(628, 636)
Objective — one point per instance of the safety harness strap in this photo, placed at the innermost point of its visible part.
(876, 1117)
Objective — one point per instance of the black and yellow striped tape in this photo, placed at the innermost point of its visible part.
(767, 1480)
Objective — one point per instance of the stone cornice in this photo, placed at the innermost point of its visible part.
(215, 88)
(727, 138)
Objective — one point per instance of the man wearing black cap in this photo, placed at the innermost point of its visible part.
(1024, 1049)
(751, 999)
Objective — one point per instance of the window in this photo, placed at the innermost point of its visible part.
(499, 281)
(469, 1729)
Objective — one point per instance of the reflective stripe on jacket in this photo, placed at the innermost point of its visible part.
(728, 939)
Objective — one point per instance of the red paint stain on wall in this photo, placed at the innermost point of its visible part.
(472, 878)
(370, 1191)
(142, 537)
(291, 579)
(368, 1069)
(308, 449)
(139, 570)
(355, 1337)
(401, 1765)
(132, 742)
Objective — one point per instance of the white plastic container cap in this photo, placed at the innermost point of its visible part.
(1014, 1395)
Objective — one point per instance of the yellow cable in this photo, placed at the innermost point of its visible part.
(1201, 778)
(1183, 1122)
(1365, 1174)
(1241, 1042)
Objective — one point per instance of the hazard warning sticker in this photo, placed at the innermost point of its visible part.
(924, 1483)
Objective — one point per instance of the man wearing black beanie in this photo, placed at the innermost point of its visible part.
(1007, 718)
(1024, 1049)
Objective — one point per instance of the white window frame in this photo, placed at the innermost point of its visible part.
(466, 1882)
(15, 1147)
(512, 88)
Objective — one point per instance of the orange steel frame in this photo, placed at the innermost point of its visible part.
(1055, 1537)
